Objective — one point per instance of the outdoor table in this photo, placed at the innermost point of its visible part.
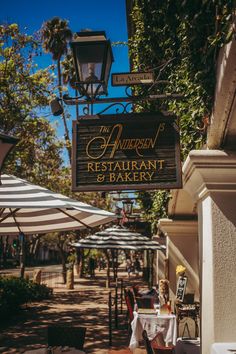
(153, 324)
(187, 346)
(56, 350)
(223, 348)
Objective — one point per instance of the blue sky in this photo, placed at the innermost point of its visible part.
(108, 15)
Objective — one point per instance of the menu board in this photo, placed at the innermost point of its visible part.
(181, 286)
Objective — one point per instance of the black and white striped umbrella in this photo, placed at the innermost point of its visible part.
(31, 209)
(119, 238)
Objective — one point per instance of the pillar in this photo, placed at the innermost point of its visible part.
(209, 176)
(183, 249)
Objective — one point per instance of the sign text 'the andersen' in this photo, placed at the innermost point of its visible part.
(126, 152)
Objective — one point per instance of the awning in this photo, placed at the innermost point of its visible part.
(31, 209)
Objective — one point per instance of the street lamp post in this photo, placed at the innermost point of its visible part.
(92, 57)
(127, 206)
(93, 134)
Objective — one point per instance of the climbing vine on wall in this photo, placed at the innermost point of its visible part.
(188, 35)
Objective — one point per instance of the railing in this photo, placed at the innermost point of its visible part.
(52, 279)
(115, 306)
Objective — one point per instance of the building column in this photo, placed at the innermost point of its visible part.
(182, 249)
(209, 176)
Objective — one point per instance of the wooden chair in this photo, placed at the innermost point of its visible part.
(130, 304)
(147, 343)
(153, 348)
(64, 335)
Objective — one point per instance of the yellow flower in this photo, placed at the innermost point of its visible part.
(180, 269)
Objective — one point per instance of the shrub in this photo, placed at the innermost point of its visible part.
(15, 292)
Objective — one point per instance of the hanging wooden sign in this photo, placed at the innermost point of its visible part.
(126, 152)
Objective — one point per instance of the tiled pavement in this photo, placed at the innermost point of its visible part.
(85, 305)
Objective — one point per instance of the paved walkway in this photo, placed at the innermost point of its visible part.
(85, 305)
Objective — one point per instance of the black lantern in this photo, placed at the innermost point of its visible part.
(93, 57)
(127, 206)
(56, 107)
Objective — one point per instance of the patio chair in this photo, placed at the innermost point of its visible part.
(147, 343)
(64, 335)
(152, 347)
(129, 299)
(130, 308)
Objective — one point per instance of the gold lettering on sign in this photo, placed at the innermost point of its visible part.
(100, 178)
(130, 177)
(133, 165)
(104, 129)
(115, 142)
(125, 171)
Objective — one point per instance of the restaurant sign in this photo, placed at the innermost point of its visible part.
(126, 152)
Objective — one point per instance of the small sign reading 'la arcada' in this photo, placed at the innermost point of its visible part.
(122, 79)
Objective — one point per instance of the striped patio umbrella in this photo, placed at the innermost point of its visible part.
(31, 209)
(118, 238)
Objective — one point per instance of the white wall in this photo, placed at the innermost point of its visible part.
(210, 177)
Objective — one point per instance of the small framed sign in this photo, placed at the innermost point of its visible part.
(181, 286)
(123, 79)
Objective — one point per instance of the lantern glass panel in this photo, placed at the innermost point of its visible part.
(128, 207)
(92, 59)
(89, 59)
(108, 64)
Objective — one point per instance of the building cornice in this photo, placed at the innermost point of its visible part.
(206, 171)
(172, 227)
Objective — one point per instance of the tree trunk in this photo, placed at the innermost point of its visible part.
(5, 249)
(114, 254)
(63, 258)
(1, 250)
(33, 248)
(22, 256)
(67, 136)
(78, 264)
(64, 270)
(108, 268)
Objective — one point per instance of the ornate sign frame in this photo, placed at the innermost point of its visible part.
(132, 151)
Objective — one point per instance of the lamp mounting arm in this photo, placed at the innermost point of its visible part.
(68, 100)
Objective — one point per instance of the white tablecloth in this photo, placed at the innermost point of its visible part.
(223, 348)
(153, 324)
(187, 346)
(57, 350)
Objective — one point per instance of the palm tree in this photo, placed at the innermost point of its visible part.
(55, 35)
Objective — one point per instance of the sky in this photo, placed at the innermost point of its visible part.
(107, 15)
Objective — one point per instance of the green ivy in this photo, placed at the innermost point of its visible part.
(188, 35)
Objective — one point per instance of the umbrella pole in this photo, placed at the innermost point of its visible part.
(22, 243)
(22, 255)
(108, 269)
